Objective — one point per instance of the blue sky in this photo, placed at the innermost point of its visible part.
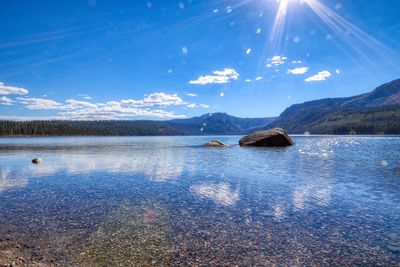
(101, 59)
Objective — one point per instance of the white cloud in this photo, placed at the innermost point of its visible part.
(296, 61)
(320, 76)
(11, 90)
(113, 111)
(338, 71)
(191, 94)
(84, 96)
(247, 80)
(248, 51)
(48, 104)
(219, 77)
(40, 103)
(259, 78)
(5, 101)
(185, 50)
(216, 10)
(276, 61)
(258, 31)
(160, 99)
(194, 105)
(151, 105)
(30, 118)
(79, 104)
(298, 71)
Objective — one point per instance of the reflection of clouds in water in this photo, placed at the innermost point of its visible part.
(162, 165)
(159, 165)
(166, 165)
(384, 163)
(306, 195)
(9, 181)
(278, 211)
(220, 193)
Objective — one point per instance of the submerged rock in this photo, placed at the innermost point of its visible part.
(215, 143)
(276, 137)
(37, 161)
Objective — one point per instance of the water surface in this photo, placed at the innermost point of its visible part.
(168, 201)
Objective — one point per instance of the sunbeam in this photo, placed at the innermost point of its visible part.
(351, 40)
(278, 27)
(357, 40)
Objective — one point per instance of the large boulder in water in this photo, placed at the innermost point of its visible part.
(276, 137)
(215, 143)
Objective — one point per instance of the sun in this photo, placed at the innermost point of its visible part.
(348, 34)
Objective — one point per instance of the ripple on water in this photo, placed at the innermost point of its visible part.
(167, 201)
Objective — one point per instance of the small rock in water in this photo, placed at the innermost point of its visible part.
(215, 143)
(36, 160)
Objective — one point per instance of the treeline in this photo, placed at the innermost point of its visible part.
(88, 128)
(208, 124)
(383, 120)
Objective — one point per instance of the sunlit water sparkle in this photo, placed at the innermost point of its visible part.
(168, 201)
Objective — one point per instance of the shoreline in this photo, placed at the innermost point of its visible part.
(296, 135)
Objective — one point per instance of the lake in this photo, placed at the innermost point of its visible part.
(162, 201)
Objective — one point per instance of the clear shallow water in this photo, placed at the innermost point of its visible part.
(168, 201)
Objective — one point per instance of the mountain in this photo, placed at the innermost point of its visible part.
(208, 124)
(221, 123)
(376, 112)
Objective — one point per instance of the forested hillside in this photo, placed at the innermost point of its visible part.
(209, 124)
(376, 112)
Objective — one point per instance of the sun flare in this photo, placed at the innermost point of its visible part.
(349, 38)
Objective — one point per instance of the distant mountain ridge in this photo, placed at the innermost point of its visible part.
(376, 112)
(221, 123)
(208, 124)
